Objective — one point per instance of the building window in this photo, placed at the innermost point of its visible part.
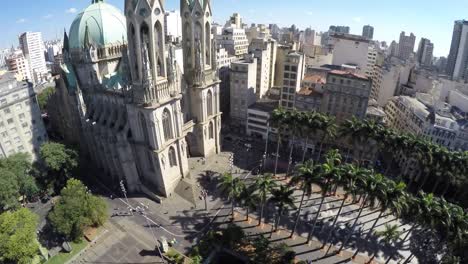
(209, 103)
(10, 121)
(7, 110)
(172, 157)
(211, 130)
(167, 124)
(21, 116)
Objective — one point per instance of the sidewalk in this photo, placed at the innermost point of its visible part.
(304, 251)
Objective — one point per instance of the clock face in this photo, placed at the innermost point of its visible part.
(157, 11)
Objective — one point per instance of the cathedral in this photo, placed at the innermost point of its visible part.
(126, 101)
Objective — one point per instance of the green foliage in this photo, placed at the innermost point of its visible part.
(232, 235)
(76, 210)
(390, 234)
(18, 169)
(43, 97)
(18, 239)
(9, 190)
(59, 161)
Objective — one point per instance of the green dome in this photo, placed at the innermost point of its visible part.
(106, 25)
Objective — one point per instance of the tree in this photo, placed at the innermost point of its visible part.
(232, 188)
(9, 190)
(279, 118)
(59, 161)
(43, 98)
(20, 165)
(77, 209)
(249, 199)
(306, 175)
(263, 187)
(389, 236)
(283, 199)
(18, 239)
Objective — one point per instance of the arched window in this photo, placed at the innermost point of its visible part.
(144, 127)
(172, 157)
(134, 49)
(167, 125)
(209, 103)
(211, 130)
(158, 41)
(207, 44)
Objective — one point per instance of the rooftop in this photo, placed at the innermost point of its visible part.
(349, 37)
(265, 105)
(349, 74)
(308, 92)
(315, 79)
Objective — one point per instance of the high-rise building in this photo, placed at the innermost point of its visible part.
(368, 31)
(350, 50)
(406, 45)
(173, 25)
(4, 53)
(339, 29)
(33, 49)
(457, 62)
(262, 51)
(393, 49)
(234, 41)
(235, 21)
(293, 71)
(21, 126)
(17, 63)
(424, 54)
(243, 80)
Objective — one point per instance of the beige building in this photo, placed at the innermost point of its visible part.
(292, 73)
(346, 95)
(21, 126)
(309, 98)
(33, 49)
(243, 79)
(350, 50)
(17, 63)
(257, 31)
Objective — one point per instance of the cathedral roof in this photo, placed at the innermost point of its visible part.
(100, 24)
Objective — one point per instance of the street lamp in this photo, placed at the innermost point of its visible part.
(204, 194)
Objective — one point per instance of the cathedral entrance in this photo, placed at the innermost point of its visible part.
(191, 140)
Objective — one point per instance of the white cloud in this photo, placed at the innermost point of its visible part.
(357, 19)
(21, 20)
(71, 10)
(47, 16)
(309, 13)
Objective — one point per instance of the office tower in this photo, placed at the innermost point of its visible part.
(424, 54)
(350, 50)
(262, 51)
(368, 31)
(33, 50)
(21, 126)
(406, 45)
(243, 78)
(457, 61)
(339, 29)
(173, 25)
(234, 40)
(292, 72)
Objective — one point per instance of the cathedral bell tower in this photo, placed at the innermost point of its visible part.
(200, 76)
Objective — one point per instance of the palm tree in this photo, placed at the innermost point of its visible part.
(346, 176)
(293, 125)
(232, 188)
(389, 236)
(308, 125)
(328, 130)
(283, 198)
(327, 171)
(306, 175)
(249, 199)
(263, 186)
(278, 119)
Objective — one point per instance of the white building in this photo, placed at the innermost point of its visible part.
(436, 123)
(263, 50)
(4, 53)
(21, 126)
(33, 50)
(243, 79)
(173, 25)
(257, 31)
(258, 116)
(17, 63)
(350, 50)
(458, 56)
(234, 41)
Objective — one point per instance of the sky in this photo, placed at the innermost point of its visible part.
(432, 19)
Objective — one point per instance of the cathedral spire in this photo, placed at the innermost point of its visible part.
(65, 41)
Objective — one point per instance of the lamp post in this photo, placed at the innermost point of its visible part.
(124, 191)
(204, 194)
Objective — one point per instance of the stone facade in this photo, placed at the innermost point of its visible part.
(129, 105)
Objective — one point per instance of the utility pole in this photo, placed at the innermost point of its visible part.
(124, 191)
